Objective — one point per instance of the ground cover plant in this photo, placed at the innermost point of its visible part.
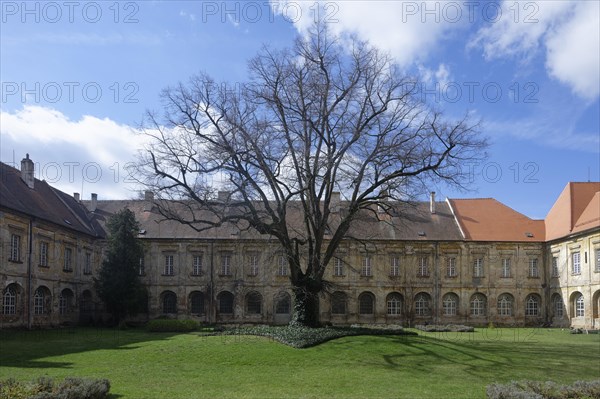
(141, 364)
(48, 388)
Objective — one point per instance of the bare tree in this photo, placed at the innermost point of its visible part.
(325, 117)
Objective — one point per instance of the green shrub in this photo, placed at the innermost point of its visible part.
(305, 337)
(45, 388)
(544, 390)
(171, 325)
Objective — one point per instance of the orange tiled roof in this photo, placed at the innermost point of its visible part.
(486, 219)
(577, 209)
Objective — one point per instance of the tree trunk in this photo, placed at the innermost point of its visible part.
(306, 308)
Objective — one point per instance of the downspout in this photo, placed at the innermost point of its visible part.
(211, 284)
(29, 260)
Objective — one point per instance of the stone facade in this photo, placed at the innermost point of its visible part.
(471, 262)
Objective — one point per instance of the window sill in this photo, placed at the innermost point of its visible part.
(196, 274)
(15, 261)
(225, 275)
(68, 270)
(44, 266)
(167, 275)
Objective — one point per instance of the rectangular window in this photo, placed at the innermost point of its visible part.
(576, 258)
(338, 267)
(597, 260)
(44, 254)
(15, 248)
(68, 266)
(282, 267)
(253, 264)
(169, 270)
(197, 264)
(226, 264)
(506, 267)
(478, 267)
(451, 267)
(87, 267)
(423, 267)
(533, 268)
(555, 266)
(366, 266)
(142, 266)
(394, 266)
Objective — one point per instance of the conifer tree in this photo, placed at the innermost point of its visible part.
(118, 284)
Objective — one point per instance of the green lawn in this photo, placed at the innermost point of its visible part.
(431, 365)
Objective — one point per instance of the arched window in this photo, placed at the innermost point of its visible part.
(478, 305)
(579, 306)
(253, 303)
(338, 303)
(41, 300)
(65, 301)
(197, 302)
(532, 305)
(422, 304)
(558, 305)
(366, 303)
(87, 304)
(394, 304)
(505, 305)
(225, 299)
(169, 302)
(9, 301)
(450, 304)
(283, 303)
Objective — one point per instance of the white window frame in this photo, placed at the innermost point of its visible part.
(532, 306)
(478, 267)
(580, 306)
(87, 266)
(68, 261)
(282, 266)
(451, 267)
(555, 271)
(142, 266)
(253, 264)
(534, 270)
(576, 262)
(169, 265)
(15, 248)
(394, 266)
(338, 267)
(394, 305)
(9, 302)
(478, 305)
(559, 306)
(450, 305)
(505, 305)
(422, 306)
(506, 266)
(38, 302)
(367, 269)
(423, 266)
(225, 264)
(597, 259)
(44, 246)
(197, 264)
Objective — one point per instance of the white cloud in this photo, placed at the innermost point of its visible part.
(89, 153)
(567, 30)
(403, 28)
(573, 51)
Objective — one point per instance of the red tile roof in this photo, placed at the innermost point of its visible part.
(577, 209)
(485, 219)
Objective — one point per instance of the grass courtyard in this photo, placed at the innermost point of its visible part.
(144, 365)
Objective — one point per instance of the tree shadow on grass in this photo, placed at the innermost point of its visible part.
(26, 349)
(486, 359)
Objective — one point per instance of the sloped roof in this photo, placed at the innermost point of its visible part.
(486, 219)
(411, 222)
(576, 209)
(44, 202)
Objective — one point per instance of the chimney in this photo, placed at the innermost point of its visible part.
(432, 202)
(334, 205)
(27, 170)
(148, 201)
(94, 203)
(76, 196)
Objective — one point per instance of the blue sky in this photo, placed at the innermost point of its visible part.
(77, 78)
